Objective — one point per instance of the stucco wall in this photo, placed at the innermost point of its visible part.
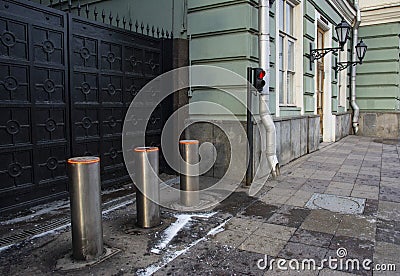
(378, 78)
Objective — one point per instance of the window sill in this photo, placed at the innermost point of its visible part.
(289, 106)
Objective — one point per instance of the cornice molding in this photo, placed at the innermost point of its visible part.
(380, 15)
(344, 8)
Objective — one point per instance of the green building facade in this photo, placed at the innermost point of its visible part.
(378, 80)
(309, 104)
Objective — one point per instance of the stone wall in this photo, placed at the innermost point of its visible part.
(296, 136)
(380, 124)
(343, 125)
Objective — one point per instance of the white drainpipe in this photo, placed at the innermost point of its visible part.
(356, 109)
(266, 118)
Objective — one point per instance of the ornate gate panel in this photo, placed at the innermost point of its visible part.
(108, 67)
(34, 124)
(65, 85)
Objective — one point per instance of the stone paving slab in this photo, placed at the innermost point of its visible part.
(230, 238)
(241, 261)
(300, 198)
(263, 245)
(357, 227)
(274, 223)
(311, 238)
(292, 217)
(301, 251)
(244, 225)
(389, 210)
(371, 207)
(322, 221)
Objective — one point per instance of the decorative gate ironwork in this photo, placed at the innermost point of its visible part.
(65, 85)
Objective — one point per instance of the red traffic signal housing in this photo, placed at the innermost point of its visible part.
(258, 79)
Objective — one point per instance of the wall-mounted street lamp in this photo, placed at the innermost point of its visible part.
(361, 49)
(342, 32)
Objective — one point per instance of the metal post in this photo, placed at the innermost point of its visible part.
(189, 178)
(148, 188)
(87, 229)
(249, 172)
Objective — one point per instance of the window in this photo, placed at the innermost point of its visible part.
(286, 53)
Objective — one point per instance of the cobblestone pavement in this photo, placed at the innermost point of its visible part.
(281, 222)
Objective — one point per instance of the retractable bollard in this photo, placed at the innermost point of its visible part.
(87, 229)
(189, 177)
(148, 187)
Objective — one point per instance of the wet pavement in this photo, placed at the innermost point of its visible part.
(237, 236)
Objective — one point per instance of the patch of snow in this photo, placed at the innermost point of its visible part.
(220, 228)
(174, 228)
(110, 191)
(62, 227)
(171, 232)
(50, 232)
(7, 247)
(52, 207)
(170, 256)
(123, 204)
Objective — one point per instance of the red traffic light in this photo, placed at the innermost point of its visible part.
(258, 78)
(261, 74)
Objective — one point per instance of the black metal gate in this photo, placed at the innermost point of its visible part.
(65, 85)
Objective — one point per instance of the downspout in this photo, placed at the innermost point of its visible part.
(266, 118)
(356, 109)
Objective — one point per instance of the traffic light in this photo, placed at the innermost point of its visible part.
(258, 79)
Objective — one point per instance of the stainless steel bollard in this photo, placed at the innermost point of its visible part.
(189, 178)
(85, 187)
(148, 187)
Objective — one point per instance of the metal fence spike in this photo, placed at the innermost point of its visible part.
(158, 32)
(162, 32)
(110, 17)
(152, 30)
(130, 24)
(124, 22)
(87, 11)
(117, 20)
(136, 25)
(95, 12)
(79, 8)
(172, 35)
(142, 27)
(103, 15)
(69, 6)
(147, 29)
(51, 3)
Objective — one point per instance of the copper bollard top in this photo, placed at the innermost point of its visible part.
(145, 149)
(83, 160)
(188, 142)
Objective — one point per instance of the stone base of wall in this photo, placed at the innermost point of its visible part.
(380, 124)
(343, 125)
(296, 136)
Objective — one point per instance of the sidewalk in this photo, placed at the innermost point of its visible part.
(280, 222)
